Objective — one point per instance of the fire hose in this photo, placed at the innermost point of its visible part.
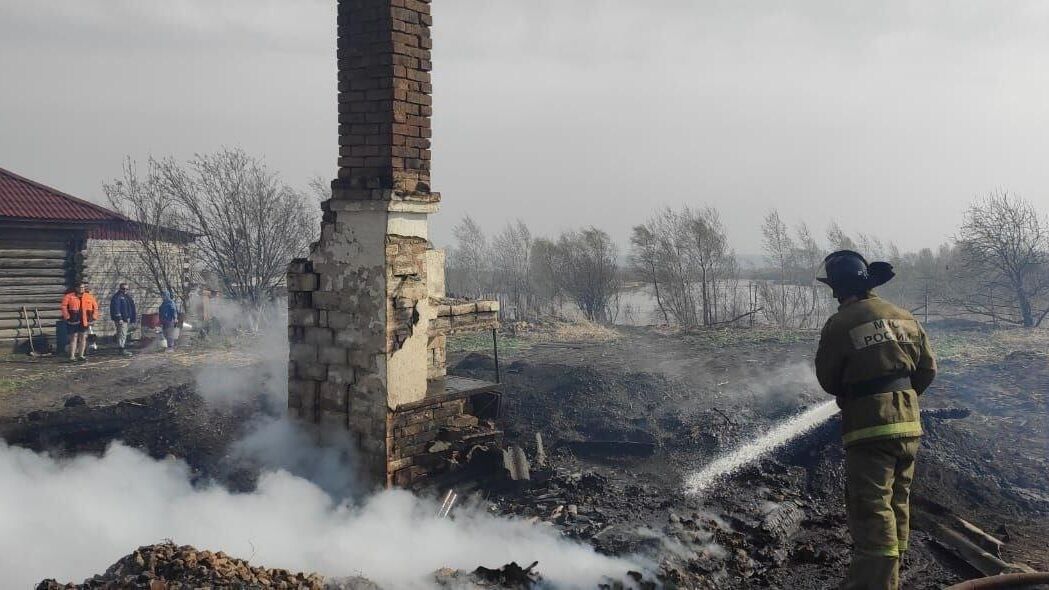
(1004, 581)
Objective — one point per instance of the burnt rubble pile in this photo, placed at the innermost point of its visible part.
(441, 440)
(509, 576)
(749, 530)
(584, 504)
(167, 566)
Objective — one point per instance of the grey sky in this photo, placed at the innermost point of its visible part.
(889, 116)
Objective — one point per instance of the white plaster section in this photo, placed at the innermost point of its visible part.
(407, 368)
(360, 240)
(408, 225)
(435, 273)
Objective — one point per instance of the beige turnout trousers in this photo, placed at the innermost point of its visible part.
(878, 477)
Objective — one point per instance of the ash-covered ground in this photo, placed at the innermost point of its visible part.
(780, 521)
(625, 418)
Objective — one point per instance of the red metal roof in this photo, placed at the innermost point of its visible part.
(21, 198)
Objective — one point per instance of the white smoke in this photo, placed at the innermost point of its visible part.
(258, 362)
(69, 519)
(280, 444)
(780, 387)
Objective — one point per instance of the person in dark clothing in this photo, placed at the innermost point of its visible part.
(169, 320)
(123, 313)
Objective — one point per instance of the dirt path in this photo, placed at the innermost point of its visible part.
(31, 384)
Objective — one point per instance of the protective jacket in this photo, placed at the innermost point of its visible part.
(122, 308)
(876, 359)
(79, 309)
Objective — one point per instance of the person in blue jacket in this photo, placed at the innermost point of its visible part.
(169, 320)
(123, 313)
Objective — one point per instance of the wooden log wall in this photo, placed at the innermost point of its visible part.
(36, 266)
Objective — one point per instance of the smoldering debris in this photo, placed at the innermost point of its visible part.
(166, 566)
(124, 498)
(740, 532)
(172, 567)
(511, 576)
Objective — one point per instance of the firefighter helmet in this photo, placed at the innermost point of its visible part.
(848, 273)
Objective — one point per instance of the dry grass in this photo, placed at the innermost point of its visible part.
(581, 331)
(519, 336)
(989, 345)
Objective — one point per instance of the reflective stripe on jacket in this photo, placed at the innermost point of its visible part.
(868, 340)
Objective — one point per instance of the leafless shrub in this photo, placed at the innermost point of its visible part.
(686, 258)
(585, 268)
(1003, 250)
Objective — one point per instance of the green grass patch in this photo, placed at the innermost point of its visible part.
(10, 385)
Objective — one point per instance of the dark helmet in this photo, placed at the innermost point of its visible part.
(847, 273)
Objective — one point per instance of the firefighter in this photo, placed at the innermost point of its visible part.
(79, 310)
(875, 358)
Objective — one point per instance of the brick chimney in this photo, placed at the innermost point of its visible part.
(384, 99)
(359, 306)
(367, 315)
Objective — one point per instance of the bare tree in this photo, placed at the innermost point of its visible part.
(838, 239)
(809, 258)
(670, 230)
(319, 189)
(778, 299)
(585, 266)
(686, 257)
(920, 279)
(161, 259)
(511, 252)
(645, 259)
(250, 223)
(791, 297)
(469, 260)
(1004, 244)
(710, 256)
(544, 274)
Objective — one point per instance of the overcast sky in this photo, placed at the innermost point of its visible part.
(887, 116)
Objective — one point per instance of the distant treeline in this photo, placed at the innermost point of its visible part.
(995, 270)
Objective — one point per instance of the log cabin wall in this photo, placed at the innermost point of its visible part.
(37, 265)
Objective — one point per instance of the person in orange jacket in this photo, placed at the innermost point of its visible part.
(79, 310)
